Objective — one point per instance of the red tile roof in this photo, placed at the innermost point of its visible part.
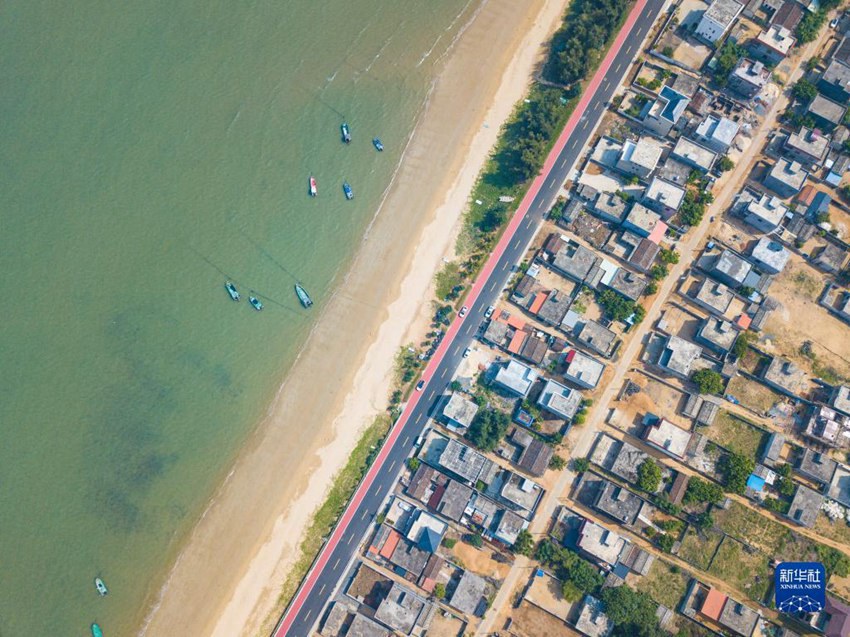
(390, 545)
(538, 302)
(517, 341)
(713, 604)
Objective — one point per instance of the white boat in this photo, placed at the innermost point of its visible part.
(100, 586)
(313, 190)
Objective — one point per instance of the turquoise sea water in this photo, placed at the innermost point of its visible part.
(150, 151)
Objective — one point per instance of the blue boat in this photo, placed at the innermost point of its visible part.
(303, 297)
(231, 290)
(346, 188)
(96, 631)
(255, 303)
(378, 145)
(346, 133)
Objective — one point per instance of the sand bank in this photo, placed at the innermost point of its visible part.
(227, 579)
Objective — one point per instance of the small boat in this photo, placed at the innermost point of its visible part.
(313, 190)
(305, 299)
(346, 188)
(346, 133)
(100, 586)
(96, 631)
(231, 290)
(377, 144)
(255, 303)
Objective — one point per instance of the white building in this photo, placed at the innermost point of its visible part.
(717, 19)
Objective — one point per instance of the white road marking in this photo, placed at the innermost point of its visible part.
(418, 418)
(445, 369)
(336, 563)
(516, 243)
(431, 395)
(564, 162)
(350, 537)
(406, 440)
(457, 349)
(575, 141)
(307, 616)
(392, 465)
(322, 589)
(505, 265)
(629, 50)
(493, 285)
(617, 70)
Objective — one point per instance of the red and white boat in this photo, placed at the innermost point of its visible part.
(313, 190)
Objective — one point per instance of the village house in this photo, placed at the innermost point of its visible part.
(639, 158)
(575, 261)
(839, 399)
(731, 268)
(826, 113)
(536, 454)
(602, 545)
(595, 336)
(554, 308)
(830, 258)
(661, 114)
(784, 376)
(717, 19)
(628, 284)
(717, 133)
(713, 296)
(663, 197)
(559, 400)
(749, 77)
(359, 625)
(835, 82)
(717, 334)
(619, 503)
(592, 620)
(678, 355)
(769, 255)
(403, 610)
(515, 378)
(816, 466)
(450, 500)
(772, 44)
(458, 412)
(773, 449)
(740, 619)
(667, 437)
(583, 370)
(694, 155)
(469, 595)
(609, 206)
(762, 211)
(641, 220)
(827, 426)
(805, 506)
(463, 461)
(809, 147)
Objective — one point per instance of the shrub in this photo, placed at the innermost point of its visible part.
(557, 462)
(413, 463)
(736, 468)
(580, 465)
(649, 476)
(449, 542)
(524, 544)
(439, 590)
(725, 164)
(700, 490)
(488, 428)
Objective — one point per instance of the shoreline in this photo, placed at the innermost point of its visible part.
(227, 579)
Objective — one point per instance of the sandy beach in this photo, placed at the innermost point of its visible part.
(228, 577)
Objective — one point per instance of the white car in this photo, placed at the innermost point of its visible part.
(833, 23)
(420, 385)
(466, 352)
(490, 311)
(463, 311)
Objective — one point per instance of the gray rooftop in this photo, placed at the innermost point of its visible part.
(595, 336)
(460, 410)
(592, 620)
(643, 256)
(771, 253)
(723, 12)
(583, 370)
(692, 153)
(454, 500)
(619, 503)
(777, 38)
(516, 377)
(742, 619)
(409, 557)
(785, 375)
(575, 261)
(627, 461)
(805, 506)
(667, 437)
(535, 456)
(601, 543)
(765, 209)
(642, 219)
(788, 172)
(827, 110)
(610, 204)
(715, 295)
(509, 527)
(840, 399)
(468, 597)
(559, 399)
(719, 131)
(773, 449)
(463, 461)
(812, 144)
(628, 284)
(520, 491)
(401, 608)
(664, 193)
(751, 72)
(362, 626)
(817, 466)
(719, 334)
(732, 267)
(554, 307)
(644, 153)
(496, 332)
(838, 74)
(678, 355)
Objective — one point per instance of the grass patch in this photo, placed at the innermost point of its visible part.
(806, 284)
(736, 434)
(838, 530)
(697, 549)
(447, 280)
(665, 583)
(745, 569)
(753, 395)
(751, 526)
(329, 512)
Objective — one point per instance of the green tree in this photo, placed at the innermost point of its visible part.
(742, 344)
(616, 306)
(704, 521)
(413, 463)
(708, 381)
(736, 468)
(804, 91)
(439, 590)
(524, 544)
(557, 462)
(725, 164)
(665, 542)
(580, 465)
(700, 490)
(649, 476)
(834, 561)
(669, 256)
(630, 609)
(487, 429)
(475, 540)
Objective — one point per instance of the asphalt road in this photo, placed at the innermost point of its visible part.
(316, 590)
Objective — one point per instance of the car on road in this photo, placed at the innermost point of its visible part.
(490, 311)
(833, 23)
(420, 385)
(466, 352)
(463, 311)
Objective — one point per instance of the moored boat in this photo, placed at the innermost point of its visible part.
(255, 303)
(231, 290)
(346, 188)
(313, 190)
(305, 299)
(100, 586)
(378, 145)
(346, 133)
(96, 631)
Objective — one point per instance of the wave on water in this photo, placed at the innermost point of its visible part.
(428, 53)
